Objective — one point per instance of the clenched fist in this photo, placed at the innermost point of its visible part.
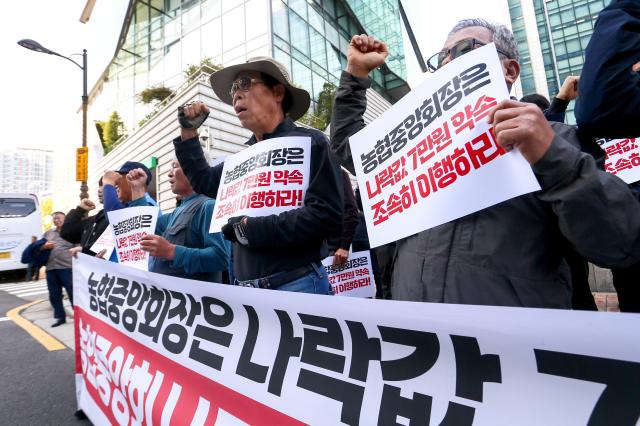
(365, 54)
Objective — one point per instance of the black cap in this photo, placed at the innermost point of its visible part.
(131, 165)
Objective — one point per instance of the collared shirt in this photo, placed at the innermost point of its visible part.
(215, 255)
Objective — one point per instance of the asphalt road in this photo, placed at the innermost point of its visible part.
(37, 385)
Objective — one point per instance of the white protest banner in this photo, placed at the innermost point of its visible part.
(353, 278)
(622, 158)
(104, 242)
(129, 226)
(151, 347)
(267, 178)
(432, 157)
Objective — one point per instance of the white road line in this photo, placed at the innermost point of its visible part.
(4, 319)
(21, 286)
(33, 293)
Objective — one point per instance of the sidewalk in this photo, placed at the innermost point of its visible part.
(41, 315)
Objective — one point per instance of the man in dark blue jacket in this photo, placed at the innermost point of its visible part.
(609, 101)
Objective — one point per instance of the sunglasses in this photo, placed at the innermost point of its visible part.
(243, 83)
(461, 48)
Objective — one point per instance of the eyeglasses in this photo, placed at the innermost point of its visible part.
(243, 83)
(461, 48)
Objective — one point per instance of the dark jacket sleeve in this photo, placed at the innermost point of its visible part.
(596, 210)
(609, 101)
(73, 225)
(557, 109)
(203, 178)
(320, 215)
(349, 215)
(347, 119)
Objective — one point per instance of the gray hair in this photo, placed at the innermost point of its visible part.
(501, 35)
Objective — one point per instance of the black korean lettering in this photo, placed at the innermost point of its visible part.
(247, 368)
(146, 220)
(155, 313)
(621, 394)
(364, 349)
(116, 299)
(331, 338)
(174, 338)
(458, 415)
(473, 369)
(211, 334)
(417, 409)
(427, 349)
(295, 155)
(289, 346)
(92, 284)
(349, 394)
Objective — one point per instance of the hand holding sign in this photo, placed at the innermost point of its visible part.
(365, 54)
(522, 126)
(157, 246)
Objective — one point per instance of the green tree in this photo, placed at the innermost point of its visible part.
(46, 208)
(151, 94)
(112, 130)
(321, 118)
(207, 66)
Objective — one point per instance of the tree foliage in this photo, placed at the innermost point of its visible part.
(321, 118)
(110, 131)
(207, 65)
(46, 208)
(157, 94)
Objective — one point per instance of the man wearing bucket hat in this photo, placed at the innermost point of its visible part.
(281, 251)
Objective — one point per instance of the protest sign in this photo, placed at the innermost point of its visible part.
(129, 226)
(432, 157)
(622, 158)
(104, 242)
(269, 177)
(164, 350)
(353, 278)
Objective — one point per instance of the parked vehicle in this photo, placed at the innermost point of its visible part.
(20, 219)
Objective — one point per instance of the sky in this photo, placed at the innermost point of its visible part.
(42, 93)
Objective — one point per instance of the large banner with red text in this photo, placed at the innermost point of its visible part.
(153, 349)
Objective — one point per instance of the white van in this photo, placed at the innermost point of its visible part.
(19, 220)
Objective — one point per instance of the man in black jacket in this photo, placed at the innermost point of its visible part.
(83, 230)
(280, 251)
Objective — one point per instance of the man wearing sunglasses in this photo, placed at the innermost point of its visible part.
(283, 251)
(509, 254)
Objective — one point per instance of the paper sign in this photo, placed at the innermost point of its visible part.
(353, 278)
(432, 157)
(623, 158)
(129, 226)
(155, 349)
(267, 178)
(104, 242)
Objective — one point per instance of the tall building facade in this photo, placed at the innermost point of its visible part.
(552, 36)
(161, 39)
(26, 170)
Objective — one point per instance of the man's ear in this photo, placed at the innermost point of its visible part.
(278, 92)
(511, 69)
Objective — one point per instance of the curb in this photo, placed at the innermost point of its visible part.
(44, 338)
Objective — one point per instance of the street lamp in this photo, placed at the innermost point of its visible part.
(37, 47)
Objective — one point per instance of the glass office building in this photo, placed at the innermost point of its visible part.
(560, 31)
(160, 39)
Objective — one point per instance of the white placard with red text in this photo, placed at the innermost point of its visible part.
(129, 225)
(156, 349)
(622, 158)
(432, 157)
(104, 242)
(269, 177)
(353, 278)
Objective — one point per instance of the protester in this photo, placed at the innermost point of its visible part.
(609, 101)
(79, 228)
(182, 246)
(281, 251)
(538, 99)
(116, 191)
(556, 110)
(58, 268)
(340, 242)
(507, 254)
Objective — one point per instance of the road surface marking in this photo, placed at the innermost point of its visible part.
(46, 340)
(4, 319)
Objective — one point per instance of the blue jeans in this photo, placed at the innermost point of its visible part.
(56, 280)
(315, 282)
